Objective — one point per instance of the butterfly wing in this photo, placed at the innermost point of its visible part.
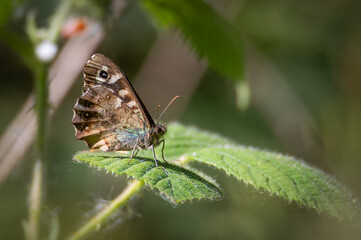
(109, 115)
(116, 81)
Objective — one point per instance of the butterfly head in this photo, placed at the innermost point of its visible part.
(155, 134)
(159, 130)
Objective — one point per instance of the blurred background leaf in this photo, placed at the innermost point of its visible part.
(210, 34)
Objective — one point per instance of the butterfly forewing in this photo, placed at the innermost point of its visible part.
(100, 70)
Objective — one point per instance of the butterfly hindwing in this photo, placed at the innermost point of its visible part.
(109, 115)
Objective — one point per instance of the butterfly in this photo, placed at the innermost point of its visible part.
(109, 114)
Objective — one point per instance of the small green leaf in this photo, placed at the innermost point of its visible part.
(280, 175)
(174, 183)
(210, 34)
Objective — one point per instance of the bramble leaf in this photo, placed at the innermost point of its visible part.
(281, 175)
(174, 183)
(211, 35)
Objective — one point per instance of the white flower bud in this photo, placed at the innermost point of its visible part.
(46, 51)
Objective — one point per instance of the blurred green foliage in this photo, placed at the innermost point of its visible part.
(210, 34)
(314, 45)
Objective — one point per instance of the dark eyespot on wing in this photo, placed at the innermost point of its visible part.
(103, 74)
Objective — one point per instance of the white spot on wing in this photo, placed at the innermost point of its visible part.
(100, 79)
(118, 103)
(114, 78)
(102, 145)
(123, 93)
(131, 104)
(101, 142)
(104, 148)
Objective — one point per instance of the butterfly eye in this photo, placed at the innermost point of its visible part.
(103, 74)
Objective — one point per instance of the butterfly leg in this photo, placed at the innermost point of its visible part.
(163, 141)
(133, 155)
(155, 159)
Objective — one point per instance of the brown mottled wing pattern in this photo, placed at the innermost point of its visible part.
(109, 114)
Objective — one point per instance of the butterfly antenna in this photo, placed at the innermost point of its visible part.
(167, 107)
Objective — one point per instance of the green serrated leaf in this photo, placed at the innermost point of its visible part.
(278, 174)
(174, 183)
(281, 175)
(210, 34)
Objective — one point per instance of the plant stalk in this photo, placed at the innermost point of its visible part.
(40, 71)
(32, 227)
(35, 201)
(41, 107)
(104, 214)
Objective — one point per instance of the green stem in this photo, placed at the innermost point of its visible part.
(104, 214)
(41, 107)
(35, 197)
(40, 71)
(32, 227)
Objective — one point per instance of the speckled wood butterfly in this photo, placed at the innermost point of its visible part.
(109, 115)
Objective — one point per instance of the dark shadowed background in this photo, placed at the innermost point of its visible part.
(303, 67)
